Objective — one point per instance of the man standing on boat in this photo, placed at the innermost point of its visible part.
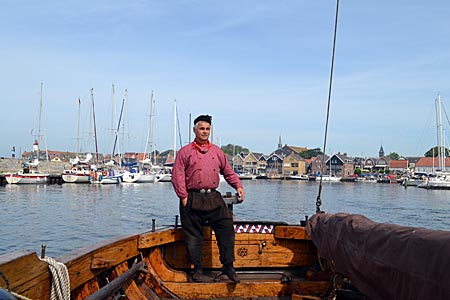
(195, 178)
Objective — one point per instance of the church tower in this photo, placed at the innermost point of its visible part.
(381, 152)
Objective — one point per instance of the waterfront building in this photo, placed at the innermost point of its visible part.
(399, 166)
(430, 165)
(293, 164)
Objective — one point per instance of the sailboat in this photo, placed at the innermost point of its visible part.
(100, 175)
(30, 173)
(165, 174)
(146, 170)
(442, 178)
(79, 170)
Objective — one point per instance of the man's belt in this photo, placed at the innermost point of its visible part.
(203, 191)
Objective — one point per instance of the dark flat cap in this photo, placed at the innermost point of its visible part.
(204, 118)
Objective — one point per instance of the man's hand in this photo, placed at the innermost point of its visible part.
(184, 201)
(241, 193)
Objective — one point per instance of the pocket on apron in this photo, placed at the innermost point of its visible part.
(206, 202)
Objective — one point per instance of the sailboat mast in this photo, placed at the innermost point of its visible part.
(122, 142)
(175, 129)
(147, 151)
(152, 131)
(113, 121)
(40, 115)
(78, 128)
(95, 125)
(439, 132)
(118, 128)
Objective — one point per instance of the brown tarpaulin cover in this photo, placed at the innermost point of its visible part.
(385, 261)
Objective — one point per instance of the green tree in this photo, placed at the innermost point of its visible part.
(358, 171)
(434, 152)
(394, 155)
(310, 153)
(231, 149)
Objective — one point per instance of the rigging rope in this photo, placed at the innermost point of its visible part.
(318, 200)
(60, 279)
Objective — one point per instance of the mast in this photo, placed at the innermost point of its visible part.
(78, 128)
(40, 115)
(441, 153)
(125, 99)
(113, 122)
(152, 130)
(149, 142)
(174, 129)
(95, 126)
(118, 128)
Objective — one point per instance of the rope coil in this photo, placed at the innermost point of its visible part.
(60, 289)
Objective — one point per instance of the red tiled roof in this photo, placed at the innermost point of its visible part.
(428, 162)
(398, 164)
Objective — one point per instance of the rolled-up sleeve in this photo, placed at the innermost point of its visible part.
(179, 176)
(228, 173)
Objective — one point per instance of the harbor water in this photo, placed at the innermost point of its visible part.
(70, 216)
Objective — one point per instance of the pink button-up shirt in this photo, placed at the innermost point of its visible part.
(194, 169)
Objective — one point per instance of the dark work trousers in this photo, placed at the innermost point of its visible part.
(217, 216)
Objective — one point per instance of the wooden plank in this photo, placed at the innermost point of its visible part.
(291, 232)
(163, 270)
(118, 251)
(84, 291)
(250, 289)
(249, 252)
(114, 255)
(130, 288)
(157, 238)
(154, 282)
(27, 274)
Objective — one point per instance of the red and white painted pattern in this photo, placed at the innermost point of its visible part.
(253, 228)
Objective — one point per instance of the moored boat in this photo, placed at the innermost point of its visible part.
(104, 176)
(246, 176)
(28, 175)
(78, 173)
(328, 178)
(298, 177)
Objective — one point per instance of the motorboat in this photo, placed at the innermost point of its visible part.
(28, 175)
(328, 178)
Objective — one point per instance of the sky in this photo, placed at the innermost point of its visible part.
(260, 68)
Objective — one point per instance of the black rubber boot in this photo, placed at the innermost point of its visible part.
(228, 270)
(198, 275)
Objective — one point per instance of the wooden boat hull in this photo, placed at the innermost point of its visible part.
(272, 260)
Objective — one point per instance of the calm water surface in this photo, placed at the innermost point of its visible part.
(69, 216)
